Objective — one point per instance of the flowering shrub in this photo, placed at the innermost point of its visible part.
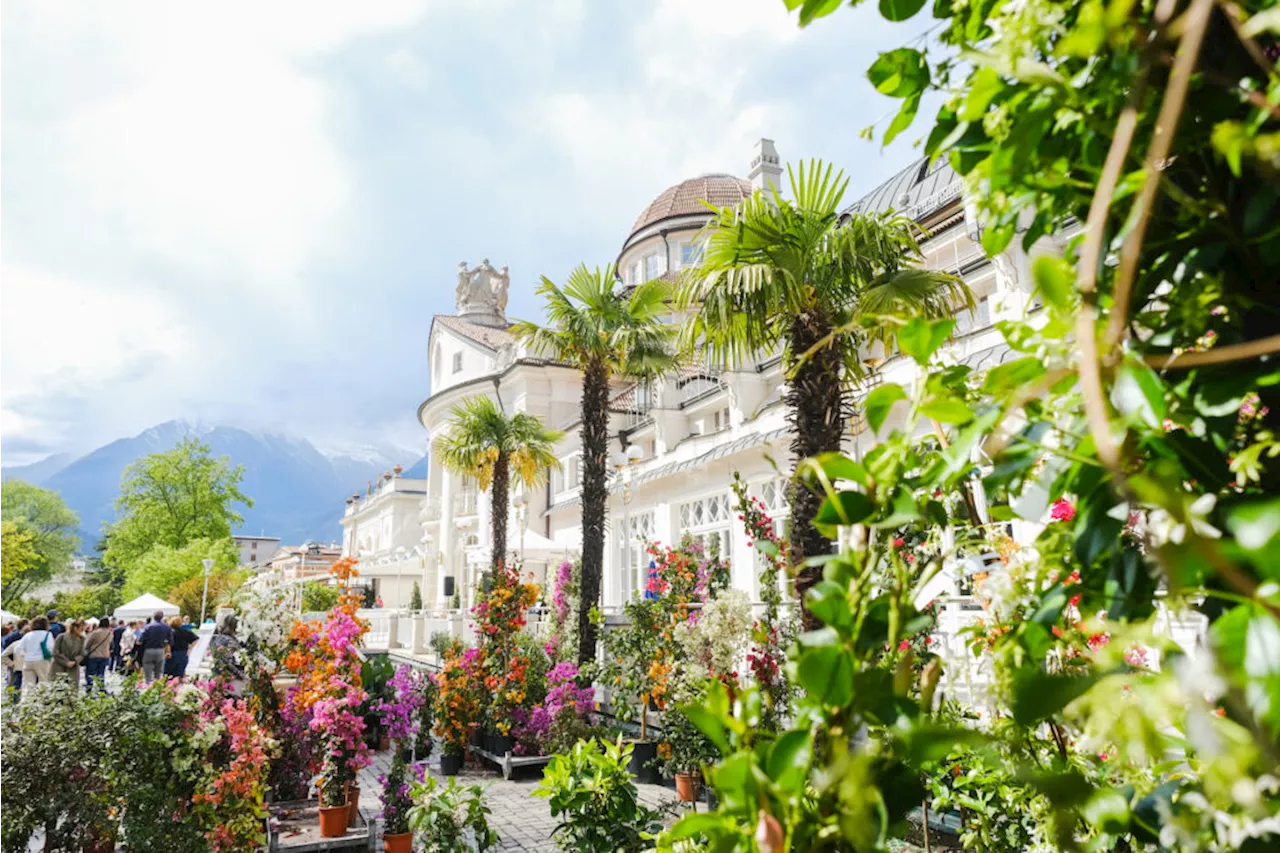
(500, 614)
(457, 700)
(714, 642)
(770, 634)
(230, 799)
(561, 720)
(395, 797)
(399, 715)
(562, 642)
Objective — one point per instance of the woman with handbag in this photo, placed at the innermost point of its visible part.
(68, 653)
(37, 655)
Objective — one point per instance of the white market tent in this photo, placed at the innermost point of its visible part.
(144, 607)
(6, 616)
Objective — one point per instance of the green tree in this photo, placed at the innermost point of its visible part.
(792, 274)
(605, 334)
(415, 598)
(163, 567)
(318, 597)
(487, 444)
(17, 554)
(172, 498)
(49, 529)
(188, 595)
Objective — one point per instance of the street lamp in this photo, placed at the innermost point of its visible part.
(623, 460)
(521, 504)
(207, 562)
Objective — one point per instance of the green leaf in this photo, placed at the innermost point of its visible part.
(880, 401)
(1108, 810)
(829, 602)
(947, 410)
(848, 508)
(1012, 374)
(1055, 279)
(826, 674)
(984, 85)
(789, 760)
(1038, 695)
(901, 121)
(1255, 525)
(920, 338)
(1138, 392)
(836, 466)
(811, 10)
(899, 73)
(903, 509)
(900, 10)
(996, 237)
(933, 743)
(709, 724)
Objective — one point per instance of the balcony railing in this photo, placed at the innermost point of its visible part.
(697, 387)
(430, 510)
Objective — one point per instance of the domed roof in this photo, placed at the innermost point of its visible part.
(688, 196)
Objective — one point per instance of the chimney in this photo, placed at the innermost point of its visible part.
(766, 168)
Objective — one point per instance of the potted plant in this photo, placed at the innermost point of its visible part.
(396, 837)
(334, 780)
(448, 818)
(455, 711)
(635, 669)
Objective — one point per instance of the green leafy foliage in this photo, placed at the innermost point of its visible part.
(39, 537)
(450, 817)
(590, 792)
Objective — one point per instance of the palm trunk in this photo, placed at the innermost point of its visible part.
(500, 486)
(595, 448)
(817, 403)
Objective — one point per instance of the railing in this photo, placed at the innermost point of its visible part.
(697, 387)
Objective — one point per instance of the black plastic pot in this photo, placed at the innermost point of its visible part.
(501, 744)
(406, 754)
(644, 754)
(450, 764)
(713, 802)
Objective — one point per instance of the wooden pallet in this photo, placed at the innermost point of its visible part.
(298, 830)
(508, 763)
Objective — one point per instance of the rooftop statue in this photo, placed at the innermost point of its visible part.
(481, 293)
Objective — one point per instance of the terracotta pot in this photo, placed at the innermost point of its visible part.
(687, 786)
(333, 821)
(450, 764)
(400, 842)
(353, 805)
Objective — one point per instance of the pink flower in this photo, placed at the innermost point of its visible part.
(1062, 510)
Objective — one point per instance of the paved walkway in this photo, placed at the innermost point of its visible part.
(523, 821)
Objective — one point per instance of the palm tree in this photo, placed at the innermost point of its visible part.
(792, 274)
(485, 443)
(604, 333)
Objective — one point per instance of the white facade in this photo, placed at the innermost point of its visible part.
(254, 550)
(693, 430)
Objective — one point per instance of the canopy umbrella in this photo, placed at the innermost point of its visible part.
(145, 606)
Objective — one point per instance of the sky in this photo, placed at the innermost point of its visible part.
(247, 213)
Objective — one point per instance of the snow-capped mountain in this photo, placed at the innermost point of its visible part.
(298, 490)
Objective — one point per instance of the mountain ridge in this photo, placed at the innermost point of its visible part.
(293, 484)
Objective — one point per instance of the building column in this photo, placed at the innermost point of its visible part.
(446, 536)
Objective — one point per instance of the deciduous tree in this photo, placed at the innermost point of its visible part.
(46, 536)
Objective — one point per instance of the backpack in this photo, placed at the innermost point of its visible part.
(44, 647)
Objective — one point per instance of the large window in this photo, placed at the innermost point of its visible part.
(457, 362)
(652, 266)
(635, 562)
(707, 520)
(690, 254)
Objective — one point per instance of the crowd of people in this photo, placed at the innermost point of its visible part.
(85, 650)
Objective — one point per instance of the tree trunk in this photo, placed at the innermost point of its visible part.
(595, 449)
(499, 498)
(817, 404)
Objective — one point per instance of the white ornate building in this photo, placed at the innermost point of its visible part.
(684, 437)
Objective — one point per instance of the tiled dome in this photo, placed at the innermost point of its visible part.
(688, 196)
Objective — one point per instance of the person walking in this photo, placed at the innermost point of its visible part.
(128, 640)
(37, 652)
(13, 657)
(97, 654)
(117, 636)
(183, 639)
(157, 641)
(55, 627)
(68, 653)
